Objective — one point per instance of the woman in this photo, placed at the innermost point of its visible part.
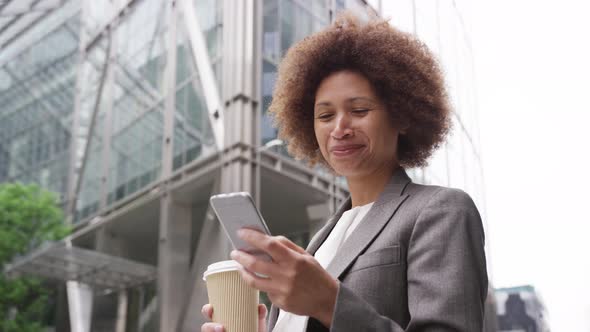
(368, 101)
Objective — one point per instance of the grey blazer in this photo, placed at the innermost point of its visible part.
(416, 262)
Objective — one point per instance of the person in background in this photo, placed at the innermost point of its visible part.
(368, 101)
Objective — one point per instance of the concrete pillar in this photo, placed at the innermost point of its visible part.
(121, 311)
(80, 306)
(242, 29)
(111, 307)
(173, 260)
(175, 218)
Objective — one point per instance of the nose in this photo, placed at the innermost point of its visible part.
(342, 126)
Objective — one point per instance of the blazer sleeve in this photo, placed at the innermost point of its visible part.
(446, 271)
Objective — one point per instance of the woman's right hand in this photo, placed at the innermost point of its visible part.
(207, 312)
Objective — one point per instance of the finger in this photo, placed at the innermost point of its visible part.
(289, 244)
(254, 264)
(262, 284)
(207, 311)
(269, 244)
(212, 327)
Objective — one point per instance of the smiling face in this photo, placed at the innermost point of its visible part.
(353, 129)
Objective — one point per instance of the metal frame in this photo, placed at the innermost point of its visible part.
(31, 9)
(175, 218)
(48, 70)
(16, 17)
(32, 6)
(123, 69)
(3, 5)
(37, 32)
(96, 109)
(80, 81)
(21, 31)
(32, 91)
(101, 271)
(170, 92)
(108, 80)
(205, 69)
(111, 24)
(41, 11)
(87, 46)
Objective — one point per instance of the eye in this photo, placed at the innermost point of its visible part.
(360, 111)
(324, 116)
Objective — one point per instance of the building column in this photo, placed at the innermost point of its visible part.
(80, 306)
(110, 243)
(175, 217)
(173, 260)
(241, 63)
(121, 311)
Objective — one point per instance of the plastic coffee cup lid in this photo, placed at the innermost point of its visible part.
(223, 266)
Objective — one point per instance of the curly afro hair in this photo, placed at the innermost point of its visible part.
(401, 69)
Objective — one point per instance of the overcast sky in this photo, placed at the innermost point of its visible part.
(532, 65)
(532, 62)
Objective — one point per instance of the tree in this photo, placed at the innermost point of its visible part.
(29, 216)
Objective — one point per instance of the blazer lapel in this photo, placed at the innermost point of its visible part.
(377, 217)
(313, 246)
(323, 233)
(272, 317)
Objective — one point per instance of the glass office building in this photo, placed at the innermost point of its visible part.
(136, 111)
(443, 26)
(521, 308)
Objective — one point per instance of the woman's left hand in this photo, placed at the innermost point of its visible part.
(295, 281)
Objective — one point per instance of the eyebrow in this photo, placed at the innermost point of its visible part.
(349, 100)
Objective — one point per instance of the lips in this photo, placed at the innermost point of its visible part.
(345, 149)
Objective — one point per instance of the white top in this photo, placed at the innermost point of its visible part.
(288, 322)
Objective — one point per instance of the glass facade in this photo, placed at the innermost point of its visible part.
(521, 309)
(286, 22)
(105, 66)
(441, 26)
(37, 96)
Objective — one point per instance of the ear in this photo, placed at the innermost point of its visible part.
(401, 125)
(403, 129)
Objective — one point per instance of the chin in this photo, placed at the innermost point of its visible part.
(347, 171)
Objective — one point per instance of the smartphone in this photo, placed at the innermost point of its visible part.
(236, 211)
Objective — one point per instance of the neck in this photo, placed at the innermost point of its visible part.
(366, 189)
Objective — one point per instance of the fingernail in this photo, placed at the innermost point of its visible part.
(241, 232)
(233, 254)
(218, 328)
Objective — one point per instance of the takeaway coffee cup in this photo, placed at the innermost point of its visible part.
(235, 304)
